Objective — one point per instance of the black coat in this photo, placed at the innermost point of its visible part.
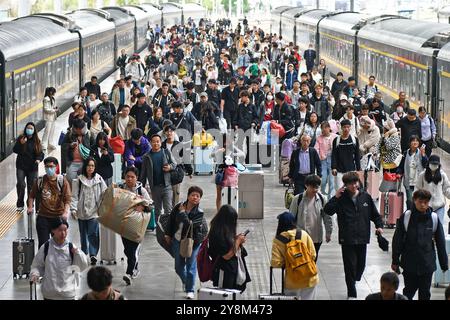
(209, 116)
(414, 249)
(104, 162)
(91, 88)
(354, 221)
(26, 155)
(200, 227)
(408, 128)
(315, 165)
(246, 116)
(285, 117)
(142, 114)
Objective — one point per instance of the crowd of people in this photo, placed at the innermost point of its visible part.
(197, 79)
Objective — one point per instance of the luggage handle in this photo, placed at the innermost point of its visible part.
(30, 227)
(282, 281)
(31, 290)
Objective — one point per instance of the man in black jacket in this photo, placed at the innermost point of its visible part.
(304, 161)
(338, 86)
(413, 246)
(246, 118)
(355, 209)
(229, 101)
(93, 86)
(106, 109)
(207, 112)
(283, 113)
(409, 125)
(212, 92)
(122, 62)
(142, 112)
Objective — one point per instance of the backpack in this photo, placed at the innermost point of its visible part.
(300, 198)
(338, 140)
(47, 244)
(40, 183)
(205, 265)
(299, 263)
(407, 217)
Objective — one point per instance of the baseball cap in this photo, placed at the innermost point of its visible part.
(203, 94)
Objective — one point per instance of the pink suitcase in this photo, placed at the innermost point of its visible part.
(372, 184)
(391, 207)
(287, 147)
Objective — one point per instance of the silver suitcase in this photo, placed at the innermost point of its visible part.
(251, 195)
(218, 294)
(276, 296)
(230, 196)
(111, 247)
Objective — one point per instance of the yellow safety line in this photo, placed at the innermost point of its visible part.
(336, 38)
(9, 214)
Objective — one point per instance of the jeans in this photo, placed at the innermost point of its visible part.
(327, 178)
(440, 212)
(186, 268)
(354, 257)
(414, 282)
(162, 197)
(409, 191)
(43, 229)
(89, 236)
(73, 170)
(21, 175)
(49, 133)
(132, 253)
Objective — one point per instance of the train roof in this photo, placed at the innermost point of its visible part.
(291, 13)
(90, 22)
(343, 22)
(21, 36)
(171, 7)
(281, 9)
(119, 16)
(312, 16)
(444, 53)
(407, 34)
(138, 13)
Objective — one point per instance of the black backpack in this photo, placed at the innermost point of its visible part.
(47, 244)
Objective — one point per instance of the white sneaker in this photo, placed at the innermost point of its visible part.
(136, 273)
(352, 298)
(127, 279)
(190, 296)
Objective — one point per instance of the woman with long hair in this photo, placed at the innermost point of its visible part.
(312, 128)
(98, 125)
(155, 124)
(435, 180)
(104, 156)
(87, 190)
(50, 110)
(226, 247)
(29, 154)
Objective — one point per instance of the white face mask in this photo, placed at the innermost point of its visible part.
(434, 167)
(399, 110)
(269, 98)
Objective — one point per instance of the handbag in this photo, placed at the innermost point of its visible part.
(388, 176)
(161, 227)
(241, 273)
(222, 125)
(117, 145)
(219, 177)
(84, 151)
(177, 175)
(187, 243)
(62, 135)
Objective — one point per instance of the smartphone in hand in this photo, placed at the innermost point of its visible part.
(246, 232)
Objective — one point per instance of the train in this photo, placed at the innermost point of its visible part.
(65, 51)
(403, 54)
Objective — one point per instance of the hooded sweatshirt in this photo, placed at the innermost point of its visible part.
(86, 196)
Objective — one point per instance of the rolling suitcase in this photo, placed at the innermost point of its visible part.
(23, 254)
(276, 296)
(32, 284)
(111, 246)
(391, 206)
(230, 196)
(440, 277)
(371, 182)
(284, 171)
(203, 163)
(218, 294)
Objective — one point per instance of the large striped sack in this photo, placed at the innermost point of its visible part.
(118, 212)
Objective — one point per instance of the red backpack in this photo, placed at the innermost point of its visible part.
(205, 265)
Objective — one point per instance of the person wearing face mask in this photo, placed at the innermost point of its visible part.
(54, 195)
(269, 105)
(50, 113)
(29, 154)
(435, 180)
(398, 114)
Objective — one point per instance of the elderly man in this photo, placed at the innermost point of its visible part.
(304, 161)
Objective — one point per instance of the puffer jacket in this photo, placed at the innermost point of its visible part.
(389, 149)
(85, 201)
(199, 224)
(438, 191)
(59, 280)
(368, 139)
(279, 257)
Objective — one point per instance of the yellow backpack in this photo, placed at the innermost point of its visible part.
(203, 140)
(299, 263)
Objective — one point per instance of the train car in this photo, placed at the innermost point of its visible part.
(155, 12)
(307, 26)
(442, 112)
(400, 53)
(142, 19)
(288, 30)
(96, 43)
(124, 38)
(172, 14)
(193, 11)
(275, 26)
(337, 42)
(34, 53)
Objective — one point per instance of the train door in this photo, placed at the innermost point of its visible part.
(11, 111)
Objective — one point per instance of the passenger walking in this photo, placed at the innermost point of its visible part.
(136, 148)
(304, 161)
(141, 112)
(324, 147)
(305, 287)
(283, 114)
(409, 126)
(345, 154)
(98, 125)
(156, 167)
(122, 62)
(104, 157)
(50, 114)
(226, 247)
(106, 109)
(99, 280)
(131, 248)
(123, 124)
(417, 232)
(186, 219)
(355, 209)
(53, 196)
(389, 283)
(87, 190)
(414, 161)
(428, 127)
(93, 87)
(56, 261)
(368, 137)
(229, 102)
(310, 56)
(400, 102)
(435, 180)
(307, 207)
(29, 154)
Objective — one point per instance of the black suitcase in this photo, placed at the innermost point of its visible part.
(23, 254)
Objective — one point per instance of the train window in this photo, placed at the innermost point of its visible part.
(33, 84)
(391, 71)
(387, 71)
(407, 79)
(49, 74)
(412, 95)
(28, 84)
(23, 91)
(17, 91)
